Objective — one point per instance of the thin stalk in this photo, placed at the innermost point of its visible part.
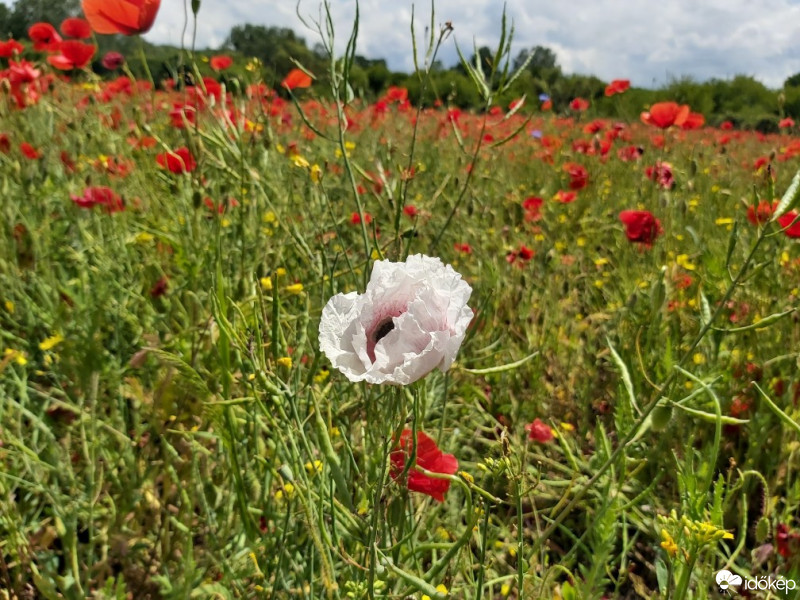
(648, 409)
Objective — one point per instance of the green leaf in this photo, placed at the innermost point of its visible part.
(626, 376)
(568, 592)
(662, 575)
(191, 379)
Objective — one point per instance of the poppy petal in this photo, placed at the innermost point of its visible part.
(296, 79)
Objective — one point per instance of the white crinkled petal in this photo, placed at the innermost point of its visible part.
(426, 302)
(336, 335)
(456, 338)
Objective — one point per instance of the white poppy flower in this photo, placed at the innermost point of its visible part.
(411, 319)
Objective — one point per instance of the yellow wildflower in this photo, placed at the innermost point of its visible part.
(683, 261)
(668, 543)
(313, 468)
(287, 491)
(16, 356)
(143, 237)
(51, 342)
(299, 161)
(321, 376)
(295, 289)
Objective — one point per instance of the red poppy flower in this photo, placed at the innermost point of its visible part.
(5, 143)
(539, 431)
(113, 60)
(641, 226)
(693, 121)
(578, 175)
(661, 173)
(428, 457)
(758, 215)
(462, 247)
(67, 162)
(159, 287)
(127, 17)
(666, 114)
(786, 122)
(565, 197)
(99, 196)
(74, 55)
(22, 72)
(786, 220)
(579, 104)
(533, 208)
(221, 62)
(525, 253)
(178, 161)
(595, 126)
(355, 218)
(726, 126)
(396, 94)
(630, 153)
(75, 27)
(410, 211)
(296, 79)
(29, 151)
(10, 49)
(181, 114)
(44, 37)
(617, 86)
(787, 541)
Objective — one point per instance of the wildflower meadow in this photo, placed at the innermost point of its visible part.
(272, 338)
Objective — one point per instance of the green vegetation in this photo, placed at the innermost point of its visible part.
(623, 409)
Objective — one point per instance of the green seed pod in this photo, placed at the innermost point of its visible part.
(661, 416)
(762, 530)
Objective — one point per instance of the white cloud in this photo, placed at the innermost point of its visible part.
(646, 41)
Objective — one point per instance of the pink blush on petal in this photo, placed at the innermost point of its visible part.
(382, 324)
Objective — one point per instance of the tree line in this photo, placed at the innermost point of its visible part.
(742, 99)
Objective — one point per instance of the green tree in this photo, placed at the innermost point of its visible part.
(566, 89)
(793, 81)
(541, 58)
(5, 13)
(25, 13)
(276, 47)
(744, 95)
(685, 90)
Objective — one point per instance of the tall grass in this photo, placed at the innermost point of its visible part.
(169, 427)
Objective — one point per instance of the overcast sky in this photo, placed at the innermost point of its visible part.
(646, 41)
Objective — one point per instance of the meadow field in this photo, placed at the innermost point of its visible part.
(180, 419)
